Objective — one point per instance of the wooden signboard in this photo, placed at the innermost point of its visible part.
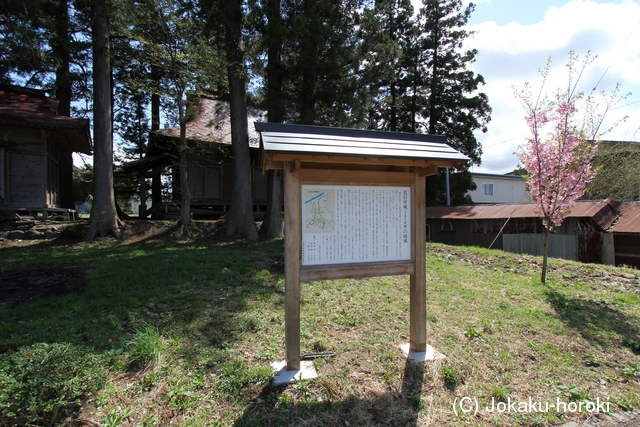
(354, 207)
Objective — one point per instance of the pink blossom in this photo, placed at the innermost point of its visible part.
(559, 166)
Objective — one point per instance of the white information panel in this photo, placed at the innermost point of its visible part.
(347, 224)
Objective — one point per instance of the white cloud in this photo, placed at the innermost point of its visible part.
(512, 54)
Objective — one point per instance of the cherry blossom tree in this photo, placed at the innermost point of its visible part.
(557, 157)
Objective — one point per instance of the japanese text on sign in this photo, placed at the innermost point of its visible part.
(348, 224)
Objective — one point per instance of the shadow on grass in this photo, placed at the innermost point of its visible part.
(394, 408)
(595, 321)
(199, 296)
(197, 290)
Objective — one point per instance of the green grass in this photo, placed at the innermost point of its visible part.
(188, 332)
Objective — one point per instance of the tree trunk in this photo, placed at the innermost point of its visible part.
(393, 114)
(433, 96)
(272, 224)
(104, 218)
(63, 88)
(156, 181)
(545, 255)
(185, 209)
(309, 48)
(240, 218)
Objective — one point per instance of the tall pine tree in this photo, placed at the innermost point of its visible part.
(322, 62)
(455, 107)
(104, 219)
(390, 60)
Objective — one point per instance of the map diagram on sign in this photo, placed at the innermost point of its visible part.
(319, 211)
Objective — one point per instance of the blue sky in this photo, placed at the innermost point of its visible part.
(514, 39)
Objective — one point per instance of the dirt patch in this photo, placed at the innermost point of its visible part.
(167, 232)
(274, 265)
(132, 231)
(20, 286)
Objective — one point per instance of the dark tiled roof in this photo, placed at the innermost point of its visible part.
(212, 123)
(31, 108)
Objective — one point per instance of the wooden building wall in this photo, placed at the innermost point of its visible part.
(627, 249)
(212, 182)
(30, 169)
(211, 185)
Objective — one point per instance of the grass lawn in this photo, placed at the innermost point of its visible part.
(183, 333)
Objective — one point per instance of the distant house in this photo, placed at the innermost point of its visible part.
(499, 189)
(35, 147)
(584, 236)
(209, 174)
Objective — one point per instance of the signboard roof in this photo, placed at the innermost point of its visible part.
(329, 141)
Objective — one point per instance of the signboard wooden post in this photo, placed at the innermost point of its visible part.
(354, 207)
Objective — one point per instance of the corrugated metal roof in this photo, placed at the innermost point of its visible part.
(330, 141)
(493, 175)
(603, 213)
(629, 221)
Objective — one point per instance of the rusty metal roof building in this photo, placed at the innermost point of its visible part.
(604, 212)
(629, 221)
(602, 231)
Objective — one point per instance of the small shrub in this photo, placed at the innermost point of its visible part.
(632, 344)
(451, 377)
(319, 346)
(573, 393)
(500, 393)
(145, 349)
(40, 383)
(471, 333)
(116, 418)
(74, 232)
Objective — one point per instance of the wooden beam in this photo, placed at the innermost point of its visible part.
(354, 177)
(429, 170)
(295, 167)
(293, 259)
(355, 270)
(418, 280)
(280, 158)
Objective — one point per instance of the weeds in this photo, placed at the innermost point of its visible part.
(43, 383)
(451, 377)
(630, 371)
(572, 392)
(144, 349)
(184, 334)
